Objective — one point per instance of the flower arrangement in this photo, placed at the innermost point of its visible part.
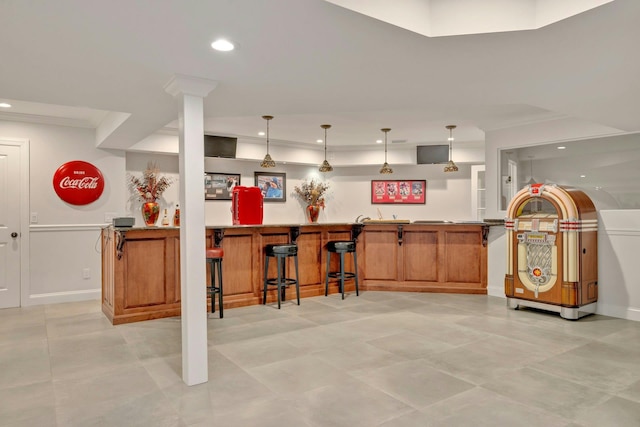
(313, 192)
(151, 185)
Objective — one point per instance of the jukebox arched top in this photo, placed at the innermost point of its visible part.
(538, 199)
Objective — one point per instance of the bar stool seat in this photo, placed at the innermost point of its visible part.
(280, 252)
(341, 247)
(214, 260)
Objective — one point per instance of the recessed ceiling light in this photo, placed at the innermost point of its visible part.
(562, 147)
(583, 176)
(378, 141)
(261, 133)
(5, 105)
(319, 141)
(222, 45)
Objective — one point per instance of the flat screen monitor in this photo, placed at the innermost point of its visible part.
(432, 154)
(220, 146)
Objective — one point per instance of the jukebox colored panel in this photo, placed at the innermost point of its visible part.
(537, 260)
(536, 255)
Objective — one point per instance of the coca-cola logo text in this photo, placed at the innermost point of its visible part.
(78, 182)
(88, 182)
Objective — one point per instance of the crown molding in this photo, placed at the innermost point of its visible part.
(46, 120)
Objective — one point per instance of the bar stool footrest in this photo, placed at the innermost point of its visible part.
(347, 275)
(283, 282)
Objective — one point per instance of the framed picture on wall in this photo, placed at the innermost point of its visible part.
(273, 186)
(398, 192)
(218, 186)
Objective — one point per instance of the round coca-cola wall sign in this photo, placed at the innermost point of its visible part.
(78, 182)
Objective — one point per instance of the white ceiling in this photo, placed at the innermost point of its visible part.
(310, 62)
(436, 18)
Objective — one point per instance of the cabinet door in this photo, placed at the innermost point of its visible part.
(465, 260)
(146, 286)
(239, 264)
(310, 258)
(420, 256)
(381, 254)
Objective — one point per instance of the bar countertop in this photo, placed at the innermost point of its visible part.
(488, 222)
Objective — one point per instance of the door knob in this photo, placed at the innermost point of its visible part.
(14, 234)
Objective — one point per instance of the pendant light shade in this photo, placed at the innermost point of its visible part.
(325, 166)
(268, 161)
(386, 169)
(451, 166)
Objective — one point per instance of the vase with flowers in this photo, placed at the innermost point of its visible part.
(149, 189)
(312, 193)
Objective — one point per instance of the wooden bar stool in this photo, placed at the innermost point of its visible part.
(214, 260)
(280, 253)
(341, 247)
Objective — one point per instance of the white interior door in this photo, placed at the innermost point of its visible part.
(9, 226)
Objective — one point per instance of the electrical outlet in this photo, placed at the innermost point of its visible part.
(34, 217)
(86, 273)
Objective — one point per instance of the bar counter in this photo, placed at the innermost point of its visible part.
(141, 268)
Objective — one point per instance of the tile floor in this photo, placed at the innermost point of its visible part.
(381, 359)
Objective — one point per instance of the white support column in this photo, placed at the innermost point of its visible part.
(190, 92)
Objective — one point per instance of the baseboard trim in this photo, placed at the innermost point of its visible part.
(628, 313)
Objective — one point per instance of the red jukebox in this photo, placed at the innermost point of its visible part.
(552, 254)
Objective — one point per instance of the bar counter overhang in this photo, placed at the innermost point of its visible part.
(141, 268)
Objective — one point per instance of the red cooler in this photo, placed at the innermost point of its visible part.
(246, 205)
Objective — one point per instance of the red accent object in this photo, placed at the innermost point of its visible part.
(150, 213)
(402, 192)
(314, 211)
(536, 189)
(78, 182)
(176, 217)
(215, 253)
(246, 205)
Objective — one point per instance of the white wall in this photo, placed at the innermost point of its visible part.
(64, 242)
(618, 282)
(496, 259)
(136, 163)
(349, 194)
(448, 196)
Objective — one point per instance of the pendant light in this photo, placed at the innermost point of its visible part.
(268, 161)
(451, 167)
(325, 166)
(386, 169)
